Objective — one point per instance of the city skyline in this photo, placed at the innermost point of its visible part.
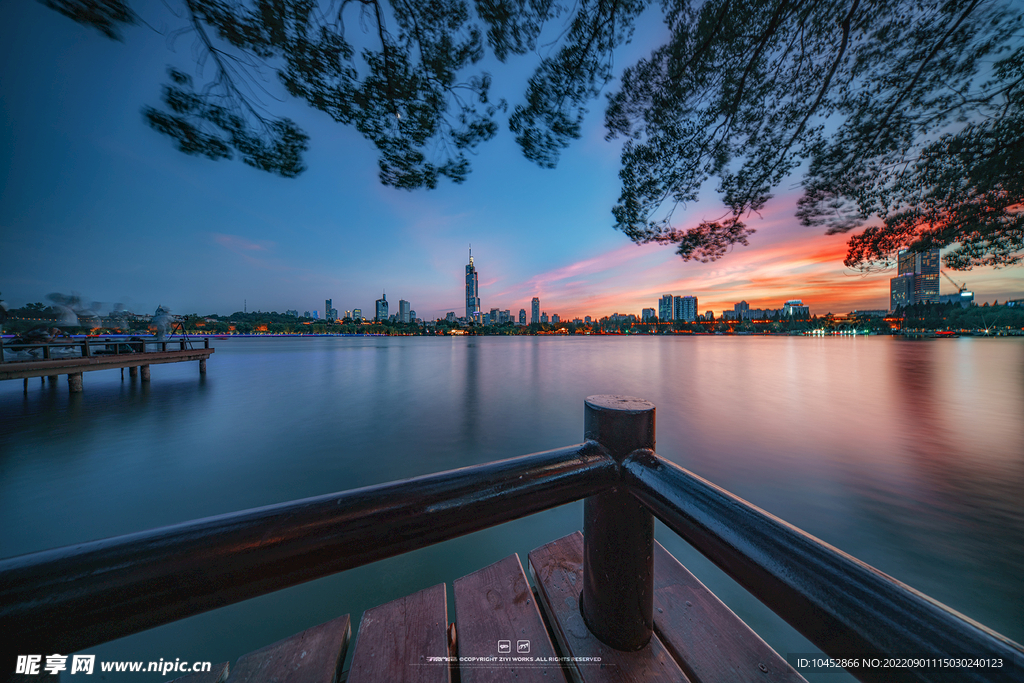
(94, 202)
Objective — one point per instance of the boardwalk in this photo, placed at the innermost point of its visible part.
(100, 355)
(504, 631)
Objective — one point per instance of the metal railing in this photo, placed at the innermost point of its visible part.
(75, 597)
(97, 346)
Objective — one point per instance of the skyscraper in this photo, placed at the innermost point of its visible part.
(685, 308)
(403, 311)
(665, 308)
(522, 316)
(327, 309)
(535, 311)
(382, 308)
(917, 279)
(472, 291)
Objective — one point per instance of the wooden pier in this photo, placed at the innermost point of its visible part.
(608, 604)
(101, 354)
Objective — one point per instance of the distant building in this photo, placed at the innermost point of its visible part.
(917, 279)
(412, 316)
(522, 316)
(665, 308)
(741, 311)
(710, 315)
(901, 291)
(450, 317)
(472, 290)
(381, 305)
(330, 312)
(648, 315)
(871, 313)
(964, 298)
(684, 308)
(306, 314)
(587, 320)
(292, 313)
(794, 308)
(535, 312)
(554, 319)
(357, 314)
(316, 315)
(404, 311)
(544, 318)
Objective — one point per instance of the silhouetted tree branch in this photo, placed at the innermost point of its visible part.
(907, 114)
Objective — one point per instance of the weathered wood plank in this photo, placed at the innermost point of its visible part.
(496, 604)
(395, 640)
(711, 643)
(62, 366)
(313, 656)
(558, 572)
(217, 674)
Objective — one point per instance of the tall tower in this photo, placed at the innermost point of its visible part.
(472, 290)
(382, 308)
(535, 310)
(917, 279)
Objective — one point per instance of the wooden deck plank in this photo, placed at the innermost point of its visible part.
(73, 364)
(711, 643)
(558, 572)
(218, 673)
(312, 656)
(396, 639)
(496, 604)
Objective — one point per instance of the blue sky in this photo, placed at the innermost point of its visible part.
(95, 202)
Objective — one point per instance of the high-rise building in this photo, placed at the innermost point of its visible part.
(535, 312)
(919, 270)
(544, 318)
(357, 315)
(412, 316)
(306, 314)
(901, 291)
(328, 310)
(685, 308)
(522, 316)
(555, 319)
(647, 315)
(741, 311)
(665, 308)
(382, 308)
(404, 311)
(472, 291)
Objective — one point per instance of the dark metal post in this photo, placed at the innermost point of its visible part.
(617, 602)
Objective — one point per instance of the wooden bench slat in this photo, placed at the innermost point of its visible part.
(395, 640)
(496, 603)
(312, 656)
(705, 636)
(558, 573)
(217, 674)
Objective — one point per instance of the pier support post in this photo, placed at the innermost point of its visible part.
(75, 382)
(202, 366)
(145, 373)
(54, 378)
(133, 371)
(617, 602)
(26, 385)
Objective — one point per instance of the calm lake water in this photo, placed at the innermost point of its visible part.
(906, 454)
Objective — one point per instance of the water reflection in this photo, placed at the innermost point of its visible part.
(909, 455)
